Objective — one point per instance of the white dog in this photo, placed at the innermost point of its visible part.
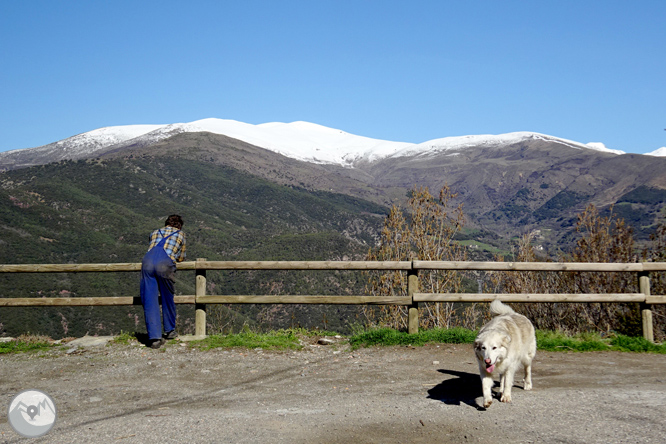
(502, 345)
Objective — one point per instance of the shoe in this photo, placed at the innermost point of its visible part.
(156, 343)
(171, 335)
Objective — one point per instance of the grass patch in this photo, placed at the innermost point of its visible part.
(300, 331)
(280, 340)
(626, 343)
(26, 343)
(480, 245)
(546, 340)
(123, 338)
(389, 336)
(558, 341)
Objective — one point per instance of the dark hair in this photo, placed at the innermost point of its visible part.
(174, 221)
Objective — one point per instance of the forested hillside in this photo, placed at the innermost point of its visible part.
(102, 211)
(242, 202)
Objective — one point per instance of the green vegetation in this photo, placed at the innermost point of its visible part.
(389, 336)
(480, 245)
(26, 343)
(644, 195)
(280, 340)
(514, 211)
(102, 211)
(546, 340)
(124, 338)
(292, 339)
(557, 341)
(640, 217)
(517, 207)
(556, 206)
(626, 343)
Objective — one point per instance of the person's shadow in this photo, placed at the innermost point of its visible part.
(142, 338)
(464, 388)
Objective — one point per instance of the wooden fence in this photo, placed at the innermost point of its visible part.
(412, 299)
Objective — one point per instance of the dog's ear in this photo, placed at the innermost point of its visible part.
(506, 339)
(477, 345)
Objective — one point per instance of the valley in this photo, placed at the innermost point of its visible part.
(245, 202)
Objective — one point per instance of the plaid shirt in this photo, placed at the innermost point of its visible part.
(174, 246)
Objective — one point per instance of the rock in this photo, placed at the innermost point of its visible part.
(90, 341)
(325, 341)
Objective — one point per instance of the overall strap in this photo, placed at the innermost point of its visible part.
(171, 234)
(164, 238)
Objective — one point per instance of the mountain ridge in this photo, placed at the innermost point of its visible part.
(244, 202)
(531, 184)
(299, 140)
(510, 182)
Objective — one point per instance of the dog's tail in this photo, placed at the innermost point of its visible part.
(497, 308)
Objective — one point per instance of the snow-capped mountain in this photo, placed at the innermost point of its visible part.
(505, 181)
(80, 146)
(460, 143)
(298, 140)
(92, 141)
(661, 152)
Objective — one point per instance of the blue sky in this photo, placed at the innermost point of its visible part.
(410, 71)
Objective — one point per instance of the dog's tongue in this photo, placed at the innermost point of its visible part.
(490, 368)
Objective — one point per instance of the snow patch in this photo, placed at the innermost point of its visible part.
(661, 152)
(488, 140)
(299, 140)
(601, 147)
(82, 145)
(104, 137)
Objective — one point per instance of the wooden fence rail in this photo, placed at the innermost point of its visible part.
(412, 299)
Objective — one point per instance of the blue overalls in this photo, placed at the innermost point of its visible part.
(158, 271)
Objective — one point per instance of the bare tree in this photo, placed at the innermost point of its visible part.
(601, 239)
(425, 232)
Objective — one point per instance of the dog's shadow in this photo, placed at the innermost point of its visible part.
(465, 388)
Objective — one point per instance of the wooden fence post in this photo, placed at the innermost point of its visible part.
(413, 287)
(200, 309)
(646, 309)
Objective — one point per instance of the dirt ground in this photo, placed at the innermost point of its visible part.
(331, 394)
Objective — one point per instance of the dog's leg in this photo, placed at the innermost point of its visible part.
(502, 382)
(487, 385)
(508, 383)
(528, 376)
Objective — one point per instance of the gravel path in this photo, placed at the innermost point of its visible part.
(330, 394)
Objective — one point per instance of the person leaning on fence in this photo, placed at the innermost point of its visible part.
(158, 270)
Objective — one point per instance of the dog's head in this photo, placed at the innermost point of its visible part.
(491, 350)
